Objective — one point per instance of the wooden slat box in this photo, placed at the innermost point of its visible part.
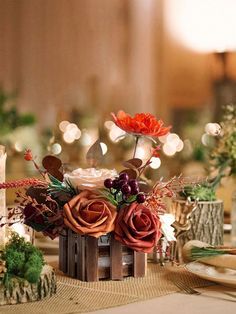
(89, 259)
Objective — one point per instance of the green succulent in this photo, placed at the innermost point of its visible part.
(199, 193)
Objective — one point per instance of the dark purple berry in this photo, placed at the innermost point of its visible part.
(124, 176)
(121, 183)
(133, 183)
(115, 184)
(108, 183)
(134, 190)
(126, 189)
(141, 198)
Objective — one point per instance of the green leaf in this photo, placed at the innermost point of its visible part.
(131, 199)
(110, 197)
(54, 180)
(57, 187)
(198, 253)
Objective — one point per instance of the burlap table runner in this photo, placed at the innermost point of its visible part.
(74, 296)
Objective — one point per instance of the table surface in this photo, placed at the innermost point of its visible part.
(212, 300)
(179, 303)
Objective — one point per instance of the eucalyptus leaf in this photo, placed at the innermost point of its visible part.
(132, 173)
(133, 163)
(94, 155)
(51, 162)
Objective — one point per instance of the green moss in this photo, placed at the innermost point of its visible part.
(22, 259)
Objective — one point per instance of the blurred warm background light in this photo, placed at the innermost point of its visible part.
(203, 25)
(73, 62)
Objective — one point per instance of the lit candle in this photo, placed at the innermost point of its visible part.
(3, 211)
(20, 229)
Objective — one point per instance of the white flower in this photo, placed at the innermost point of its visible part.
(166, 228)
(90, 178)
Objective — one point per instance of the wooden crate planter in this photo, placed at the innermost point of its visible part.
(89, 259)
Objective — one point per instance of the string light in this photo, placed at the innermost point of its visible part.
(70, 130)
(108, 124)
(68, 137)
(172, 143)
(169, 149)
(63, 125)
(155, 162)
(163, 138)
(77, 134)
(180, 146)
(18, 147)
(205, 139)
(213, 129)
(56, 149)
(173, 139)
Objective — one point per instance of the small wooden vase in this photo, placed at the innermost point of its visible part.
(90, 259)
(206, 222)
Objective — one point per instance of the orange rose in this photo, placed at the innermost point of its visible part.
(140, 124)
(138, 227)
(89, 213)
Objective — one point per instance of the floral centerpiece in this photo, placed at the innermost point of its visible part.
(88, 207)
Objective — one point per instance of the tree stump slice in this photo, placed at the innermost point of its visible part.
(207, 223)
(22, 291)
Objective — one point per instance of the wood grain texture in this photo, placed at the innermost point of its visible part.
(22, 291)
(139, 265)
(207, 223)
(91, 258)
(116, 267)
(63, 246)
(71, 254)
(81, 261)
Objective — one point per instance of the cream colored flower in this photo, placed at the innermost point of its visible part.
(89, 178)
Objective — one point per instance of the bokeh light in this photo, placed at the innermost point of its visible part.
(155, 162)
(56, 149)
(104, 148)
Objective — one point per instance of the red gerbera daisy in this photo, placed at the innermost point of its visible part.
(140, 124)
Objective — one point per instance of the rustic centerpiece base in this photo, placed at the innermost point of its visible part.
(207, 222)
(90, 259)
(21, 291)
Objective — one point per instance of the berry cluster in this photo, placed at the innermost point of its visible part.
(126, 186)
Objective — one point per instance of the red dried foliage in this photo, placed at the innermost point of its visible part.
(170, 189)
(22, 183)
(44, 216)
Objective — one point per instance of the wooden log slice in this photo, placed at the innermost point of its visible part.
(207, 223)
(21, 291)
